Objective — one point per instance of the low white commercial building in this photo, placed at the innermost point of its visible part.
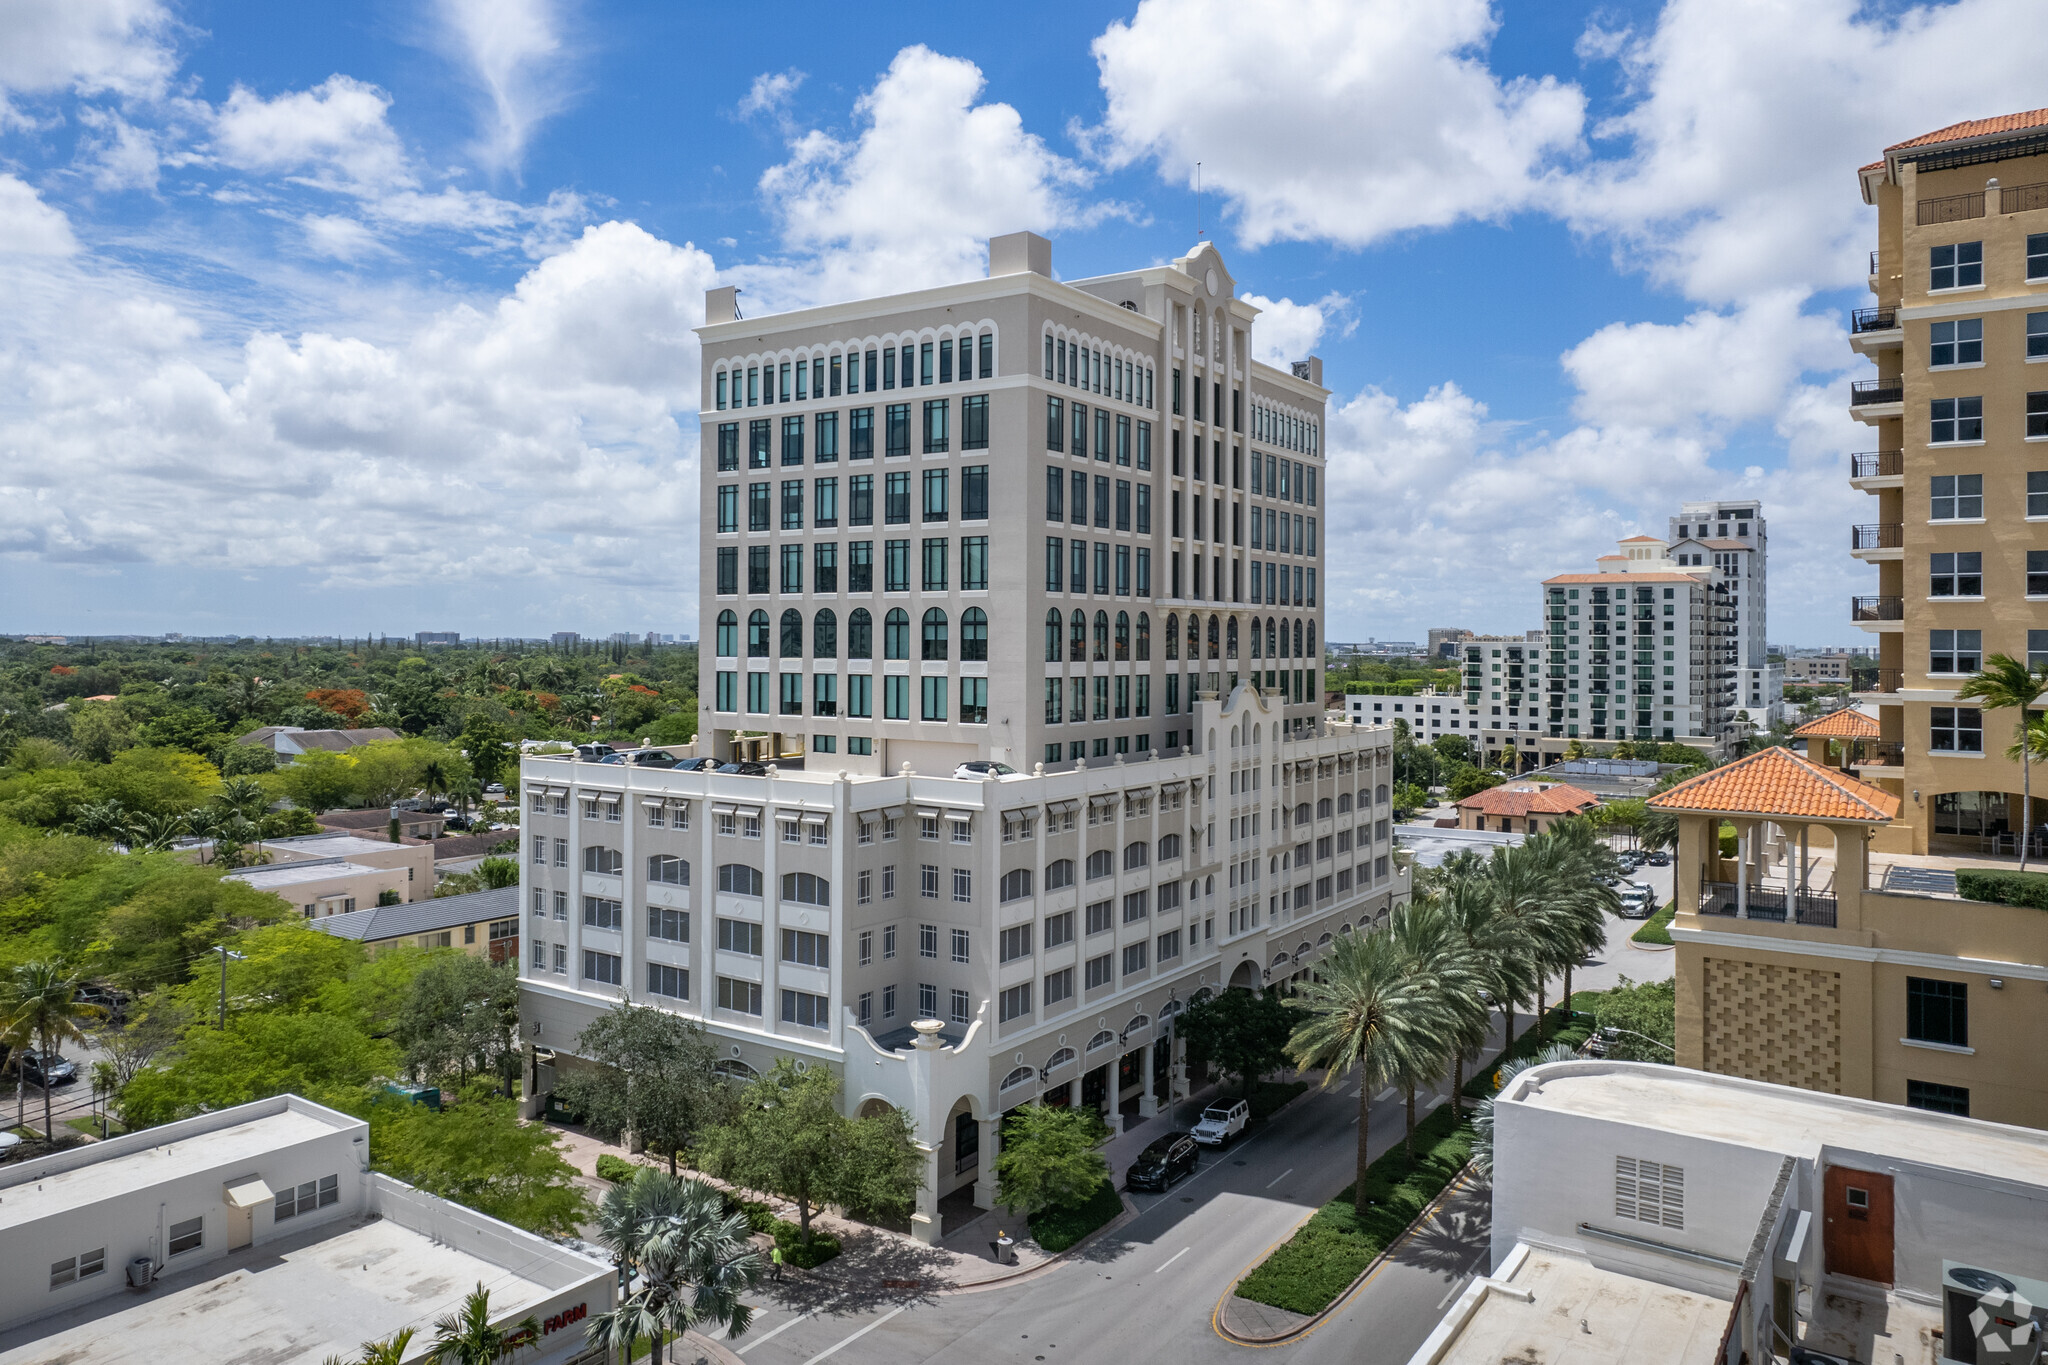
(259, 1232)
(1656, 1214)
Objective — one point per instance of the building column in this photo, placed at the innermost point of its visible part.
(925, 1223)
(985, 1173)
(1148, 1104)
(1742, 835)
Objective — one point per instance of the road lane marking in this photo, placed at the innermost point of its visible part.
(768, 1336)
(1171, 1259)
(848, 1341)
(1280, 1177)
(1384, 1095)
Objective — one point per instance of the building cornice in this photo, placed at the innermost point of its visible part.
(1853, 952)
(1051, 292)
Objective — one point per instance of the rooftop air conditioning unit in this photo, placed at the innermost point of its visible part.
(1991, 1318)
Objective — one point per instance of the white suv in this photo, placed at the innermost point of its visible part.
(1222, 1122)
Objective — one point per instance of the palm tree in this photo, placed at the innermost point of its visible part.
(2006, 682)
(1433, 951)
(1494, 952)
(467, 1336)
(1523, 882)
(1482, 1114)
(1584, 901)
(155, 833)
(38, 1005)
(689, 1258)
(1368, 1012)
(103, 820)
(390, 1352)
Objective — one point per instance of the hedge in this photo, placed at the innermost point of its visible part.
(1056, 1229)
(2029, 889)
(1268, 1096)
(616, 1169)
(1657, 928)
(797, 1252)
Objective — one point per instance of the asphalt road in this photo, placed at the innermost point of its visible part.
(1147, 1293)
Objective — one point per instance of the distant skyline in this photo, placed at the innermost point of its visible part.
(323, 315)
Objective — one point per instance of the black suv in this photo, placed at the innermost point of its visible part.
(1166, 1160)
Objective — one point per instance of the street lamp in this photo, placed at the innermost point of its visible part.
(225, 954)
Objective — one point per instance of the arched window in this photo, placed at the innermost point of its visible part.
(1173, 636)
(1301, 814)
(1230, 640)
(1343, 802)
(1123, 637)
(974, 635)
(860, 634)
(792, 634)
(728, 635)
(1379, 794)
(1144, 638)
(1063, 1057)
(935, 642)
(1059, 875)
(1295, 653)
(805, 889)
(1194, 636)
(1169, 846)
(1102, 1039)
(1136, 855)
(1018, 1077)
(1055, 636)
(1101, 637)
(1311, 641)
(1271, 653)
(757, 634)
(825, 634)
(1016, 884)
(1364, 797)
(896, 634)
(1215, 638)
(1100, 864)
(1256, 654)
(1323, 809)
(738, 879)
(1077, 636)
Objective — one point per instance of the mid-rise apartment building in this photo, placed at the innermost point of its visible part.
(1959, 408)
(1086, 547)
(1731, 536)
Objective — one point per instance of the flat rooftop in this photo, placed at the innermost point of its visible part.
(332, 845)
(298, 874)
(298, 1298)
(128, 1172)
(1587, 1316)
(1781, 1119)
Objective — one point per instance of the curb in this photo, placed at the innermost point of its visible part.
(716, 1352)
(1053, 1261)
(1219, 1319)
(1652, 947)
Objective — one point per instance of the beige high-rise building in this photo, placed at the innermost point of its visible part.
(1959, 475)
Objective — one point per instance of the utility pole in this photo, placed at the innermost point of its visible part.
(222, 949)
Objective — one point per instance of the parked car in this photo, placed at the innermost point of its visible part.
(495, 790)
(745, 768)
(113, 1002)
(984, 767)
(1659, 858)
(697, 765)
(1637, 902)
(47, 1069)
(1222, 1122)
(654, 758)
(1166, 1160)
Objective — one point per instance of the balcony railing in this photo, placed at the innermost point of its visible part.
(1877, 609)
(1863, 392)
(1882, 753)
(1874, 320)
(1954, 208)
(1877, 464)
(1888, 680)
(1770, 903)
(1883, 535)
(1873, 262)
(2021, 198)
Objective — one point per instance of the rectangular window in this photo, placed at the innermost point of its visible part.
(1957, 266)
(895, 697)
(936, 549)
(973, 564)
(2037, 573)
(739, 935)
(1938, 1012)
(927, 1000)
(728, 508)
(1955, 343)
(757, 443)
(1078, 429)
(1134, 958)
(860, 500)
(664, 980)
(1938, 1098)
(806, 1010)
(185, 1236)
(974, 701)
(601, 913)
(1956, 497)
(896, 435)
(2037, 414)
(728, 447)
(670, 926)
(2037, 256)
(860, 434)
(728, 570)
(1956, 419)
(1015, 942)
(1059, 986)
(792, 441)
(1955, 730)
(1014, 1002)
(758, 512)
(961, 939)
(896, 566)
(932, 698)
(1960, 574)
(825, 567)
(974, 422)
(792, 568)
(860, 566)
(1100, 917)
(806, 949)
(896, 500)
(1099, 971)
(1955, 651)
(974, 493)
(936, 440)
(1059, 929)
(602, 968)
(757, 569)
(741, 997)
(935, 481)
(1055, 553)
(824, 503)
(1055, 416)
(963, 1006)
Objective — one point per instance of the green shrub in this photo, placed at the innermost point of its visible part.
(1056, 1229)
(1657, 928)
(760, 1218)
(1729, 842)
(616, 1169)
(2029, 889)
(796, 1251)
(1336, 1244)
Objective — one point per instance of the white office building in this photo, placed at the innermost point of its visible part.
(1086, 546)
(1730, 535)
(259, 1232)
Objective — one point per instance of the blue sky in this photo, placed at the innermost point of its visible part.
(375, 318)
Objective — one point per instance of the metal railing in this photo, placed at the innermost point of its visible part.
(1771, 904)
(1873, 262)
(1877, 464)
(2021, 198)
(1888, 680)
(1877, 609)
(1954, 208)
(1874, 320)
(1866, 391)
(1881, 535)
(1881, 753)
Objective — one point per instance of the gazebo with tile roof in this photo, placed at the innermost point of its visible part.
(1849, 728)
(1771, 788)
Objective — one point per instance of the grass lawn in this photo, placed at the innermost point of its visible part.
(1657, 928)
(1057, 1229)
(1307, 1272)
(91, 1126)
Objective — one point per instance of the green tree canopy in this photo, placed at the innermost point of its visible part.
(1051, 1157)
(477, 1153)
(319, 1056)
(1243, 1032)
(157, 935)
(651, 1076)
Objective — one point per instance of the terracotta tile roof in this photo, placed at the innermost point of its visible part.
(1779, 783)
(1976, 127)
(1844, 724)
(1530, 798)
(1636, 540)
(1873, 166)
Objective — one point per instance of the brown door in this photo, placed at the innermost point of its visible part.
(1857, 1238)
